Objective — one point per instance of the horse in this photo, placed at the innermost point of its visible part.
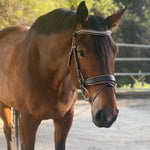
(41, 69)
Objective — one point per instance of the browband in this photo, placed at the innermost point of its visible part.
(93, 32)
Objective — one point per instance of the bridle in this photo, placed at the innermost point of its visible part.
(108, 80)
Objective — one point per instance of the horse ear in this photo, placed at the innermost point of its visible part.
(82, 14)
(112, 21)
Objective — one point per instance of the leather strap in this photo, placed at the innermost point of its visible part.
(102, 79)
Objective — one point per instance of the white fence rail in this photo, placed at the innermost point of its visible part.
(133, 59)
(132, 45)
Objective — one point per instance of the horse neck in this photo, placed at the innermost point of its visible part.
(47, 59)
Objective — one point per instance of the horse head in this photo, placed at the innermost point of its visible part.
(91, 63)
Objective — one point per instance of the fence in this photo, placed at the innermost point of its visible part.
(133, 59)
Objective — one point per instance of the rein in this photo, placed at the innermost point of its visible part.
(108, 80)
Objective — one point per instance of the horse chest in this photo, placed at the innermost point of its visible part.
(50, 110)
(53, 106)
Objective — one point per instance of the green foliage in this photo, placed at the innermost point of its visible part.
(16, 12)
(104, 7)
(139, 82)
(134, 27)
(24, 12)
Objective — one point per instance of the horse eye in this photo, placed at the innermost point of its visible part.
(82, 53)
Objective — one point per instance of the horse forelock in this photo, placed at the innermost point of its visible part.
(104, 46)
(104, 49)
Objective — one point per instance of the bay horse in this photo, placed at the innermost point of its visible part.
(41, 69)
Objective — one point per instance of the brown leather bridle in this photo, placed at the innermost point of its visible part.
(108, 80)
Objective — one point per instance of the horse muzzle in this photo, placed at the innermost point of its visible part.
(102, 119)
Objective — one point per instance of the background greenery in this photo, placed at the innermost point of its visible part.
(134, 26)
(24, 12)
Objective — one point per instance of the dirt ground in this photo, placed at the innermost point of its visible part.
(131, 131)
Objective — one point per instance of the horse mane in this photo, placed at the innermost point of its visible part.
(55, 21)
(60, 19)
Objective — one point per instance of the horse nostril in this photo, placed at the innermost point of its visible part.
(100, 116)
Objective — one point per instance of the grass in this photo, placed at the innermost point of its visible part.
(139, 84)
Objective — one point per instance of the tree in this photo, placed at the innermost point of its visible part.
(24, 12)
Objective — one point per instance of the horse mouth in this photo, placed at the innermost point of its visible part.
(103, 125)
